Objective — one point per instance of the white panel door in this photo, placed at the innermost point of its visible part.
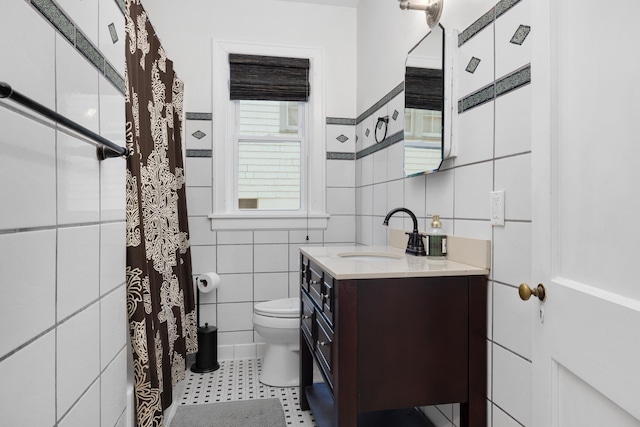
(586, 218)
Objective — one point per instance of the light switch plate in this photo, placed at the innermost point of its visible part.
(497, 208)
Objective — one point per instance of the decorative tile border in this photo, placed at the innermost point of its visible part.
(375, 107)
(473, 29)
(113, 75)
(61, 22)
(199, 116)
(122, 6)
(89, 51)
(477, 98)
(513, 81)
(503, 6)
(485, 20)
(473, 65)
(340, 121)
(396, 137)
(332, 155)
(503, 85)
(385, 100)
(198, 134)
(113, 33)
(520, 35)
(199, 153)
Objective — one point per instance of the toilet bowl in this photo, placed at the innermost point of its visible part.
(278, 322)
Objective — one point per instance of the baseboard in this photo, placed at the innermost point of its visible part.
(241, 351)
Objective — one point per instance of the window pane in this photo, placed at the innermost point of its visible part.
(268, 118)
(269, 174)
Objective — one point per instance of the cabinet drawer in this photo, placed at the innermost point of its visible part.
(307, 317)
(324, 348)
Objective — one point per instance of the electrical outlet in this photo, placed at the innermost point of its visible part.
(497, 208)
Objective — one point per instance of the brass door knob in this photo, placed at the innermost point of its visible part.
(525, 292)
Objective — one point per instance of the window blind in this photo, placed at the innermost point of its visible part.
(424, 89)
(268, 78)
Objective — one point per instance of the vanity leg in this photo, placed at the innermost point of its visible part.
(306, 371)
(474, 412)
(345, 368)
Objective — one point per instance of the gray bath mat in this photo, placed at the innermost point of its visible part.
(243, 413)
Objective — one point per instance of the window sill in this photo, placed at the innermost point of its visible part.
(269, 221)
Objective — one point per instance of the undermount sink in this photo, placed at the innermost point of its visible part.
(370, 256)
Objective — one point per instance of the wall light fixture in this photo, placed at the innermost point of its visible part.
(432, 9)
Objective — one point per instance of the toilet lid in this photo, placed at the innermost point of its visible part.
(287, 307)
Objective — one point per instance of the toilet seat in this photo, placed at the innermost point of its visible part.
(280, 308)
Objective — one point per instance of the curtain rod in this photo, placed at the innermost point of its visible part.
(105, 148)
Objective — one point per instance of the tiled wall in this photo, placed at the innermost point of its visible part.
(63, 358)
(493, 134)
(258, 265)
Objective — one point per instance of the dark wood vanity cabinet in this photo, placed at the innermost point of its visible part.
(385, 346)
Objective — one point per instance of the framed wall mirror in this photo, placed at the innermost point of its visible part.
(424, 105)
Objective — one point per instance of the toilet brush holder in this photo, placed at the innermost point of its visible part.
(207, 355)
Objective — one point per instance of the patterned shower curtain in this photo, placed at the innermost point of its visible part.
(160, 293)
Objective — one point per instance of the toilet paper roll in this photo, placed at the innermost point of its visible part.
(208, 282)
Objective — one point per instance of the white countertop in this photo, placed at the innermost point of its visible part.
(404, 266)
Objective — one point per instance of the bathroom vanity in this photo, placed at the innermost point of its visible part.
(390, 332)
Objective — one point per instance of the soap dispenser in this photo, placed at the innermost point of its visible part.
(436, 244)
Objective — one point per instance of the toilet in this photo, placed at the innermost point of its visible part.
(278, 322)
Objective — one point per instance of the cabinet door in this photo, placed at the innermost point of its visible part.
(412, 339)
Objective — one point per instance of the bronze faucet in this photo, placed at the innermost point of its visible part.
(415, 245)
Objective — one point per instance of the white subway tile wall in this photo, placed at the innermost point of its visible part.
(77, 356)
(113, 177)
(493, 153)
(86, 412)
(109, 13)
(62, 230)
(29, 302)
(78, 269)
(29, 164)
(17, 382)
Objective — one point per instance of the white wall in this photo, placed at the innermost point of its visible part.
(187, 32)
(62, 230)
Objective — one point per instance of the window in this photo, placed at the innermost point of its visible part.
(277, 142)
(423, 125)
(270, 146)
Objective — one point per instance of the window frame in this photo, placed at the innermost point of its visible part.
(224, 215)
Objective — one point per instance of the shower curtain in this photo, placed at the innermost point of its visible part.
(160, 293)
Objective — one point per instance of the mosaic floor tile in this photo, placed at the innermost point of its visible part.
(238, 380)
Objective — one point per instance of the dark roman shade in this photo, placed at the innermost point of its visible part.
(268, 78)
(424, 89)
